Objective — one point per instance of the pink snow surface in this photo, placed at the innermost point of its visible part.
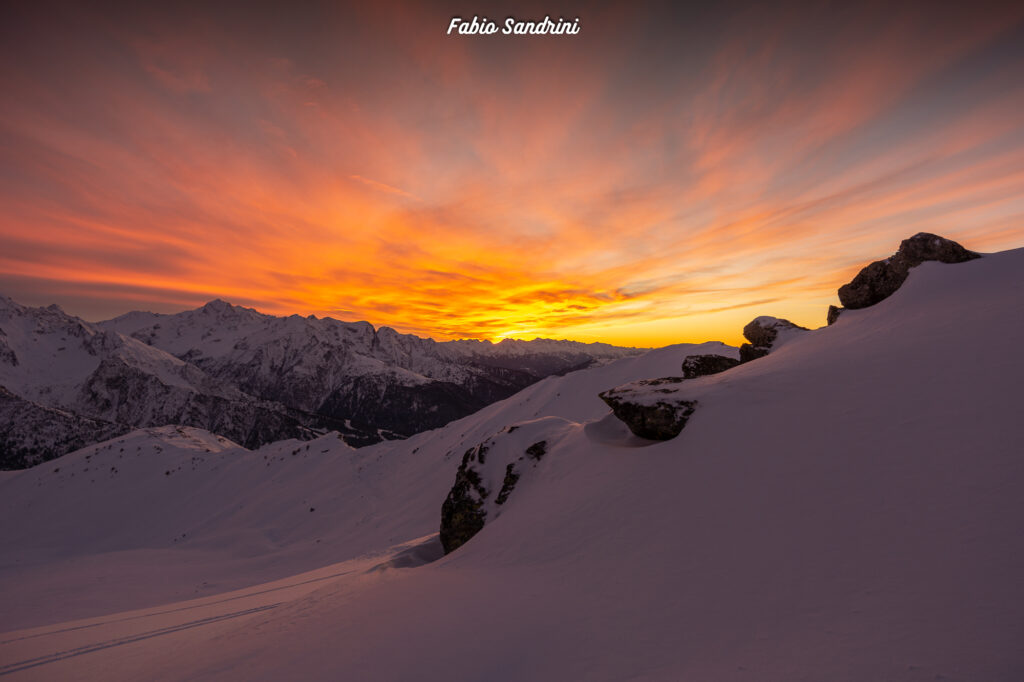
(848, 508)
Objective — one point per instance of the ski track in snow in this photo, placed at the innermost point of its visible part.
(174, 610)
(48, 643)
(109, 644)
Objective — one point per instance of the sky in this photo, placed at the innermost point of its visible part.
(664, 176)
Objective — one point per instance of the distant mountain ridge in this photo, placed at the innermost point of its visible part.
(248, 376)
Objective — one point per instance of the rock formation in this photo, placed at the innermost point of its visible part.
(651, 408)
(833, 314)
(491, 472)
(881, 279)
(763, 333)
(701, 365)
(462, 514)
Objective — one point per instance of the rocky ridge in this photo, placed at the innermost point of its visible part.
(249, 377)
(656, 409)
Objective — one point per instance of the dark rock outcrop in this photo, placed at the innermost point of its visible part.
(651, 408)
(763, 334)
(537, 450)
(462, 514)
(702, 365)
(508, 484)
(879, 280)
(833, 314)
(749, 352)
(500, 463)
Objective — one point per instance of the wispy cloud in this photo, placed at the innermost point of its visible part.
(383, 187)
(651, 182)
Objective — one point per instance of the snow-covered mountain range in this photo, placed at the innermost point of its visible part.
(250, 377)
(843, 507)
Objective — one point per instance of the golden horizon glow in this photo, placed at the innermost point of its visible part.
(637, 191)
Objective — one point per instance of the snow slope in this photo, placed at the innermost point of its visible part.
(846, 508)
(162, 514)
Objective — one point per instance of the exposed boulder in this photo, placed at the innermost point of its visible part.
(491, 472)
(833, 314)
(879, 280)
(766, 333)
(925, 246)
(701, 365)
(651, 408)
(749, 352)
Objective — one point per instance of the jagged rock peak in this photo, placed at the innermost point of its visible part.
(880, 280)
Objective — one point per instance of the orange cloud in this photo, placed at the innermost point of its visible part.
(635, 185)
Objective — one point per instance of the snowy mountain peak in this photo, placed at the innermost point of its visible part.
(255, 378)
(68, 381)
(216, 305)
(220, 308)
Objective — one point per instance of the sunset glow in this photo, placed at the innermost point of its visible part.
(662, 176)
